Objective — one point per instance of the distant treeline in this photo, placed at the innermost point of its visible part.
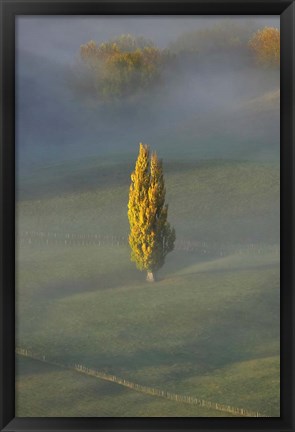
(151, 391)
(128, 66)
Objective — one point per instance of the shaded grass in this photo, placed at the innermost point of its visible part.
(208, 328)
(44, 390)
(218, 201)
(193, 323)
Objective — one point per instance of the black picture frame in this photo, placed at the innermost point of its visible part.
(9, 10)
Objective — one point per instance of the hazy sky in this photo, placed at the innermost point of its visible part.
(52, 122)
(59, 37)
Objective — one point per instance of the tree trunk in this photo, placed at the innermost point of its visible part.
(151, 277)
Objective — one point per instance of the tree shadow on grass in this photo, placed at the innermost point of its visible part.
(105, 281)
(237, 332)
(127, 276)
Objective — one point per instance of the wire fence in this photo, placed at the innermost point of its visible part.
(151, 391)
(25, 238)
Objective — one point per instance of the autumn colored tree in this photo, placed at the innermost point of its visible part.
(265, 44)
(122, 67)
(151, 236)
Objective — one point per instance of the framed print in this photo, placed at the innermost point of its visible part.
(147, 195)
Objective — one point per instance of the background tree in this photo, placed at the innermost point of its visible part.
(265, 44)
(151, 237)
(122, 67)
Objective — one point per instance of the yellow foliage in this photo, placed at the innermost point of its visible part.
(123, 66)
(151, 237)
(265, 43)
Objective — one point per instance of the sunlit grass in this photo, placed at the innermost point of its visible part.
(193, 323)
(212, 201)
(208, 328)
(69, 394)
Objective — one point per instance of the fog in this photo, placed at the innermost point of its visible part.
(201, 107)
(212, 318)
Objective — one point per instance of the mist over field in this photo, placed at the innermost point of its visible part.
(210, 107)
(201, 109)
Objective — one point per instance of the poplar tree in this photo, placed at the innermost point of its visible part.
(151, 237)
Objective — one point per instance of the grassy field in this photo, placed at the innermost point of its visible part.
(70, 395)
(220, 201)
(208, 328)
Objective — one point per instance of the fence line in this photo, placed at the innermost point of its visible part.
(74, 239)
(143, 389)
